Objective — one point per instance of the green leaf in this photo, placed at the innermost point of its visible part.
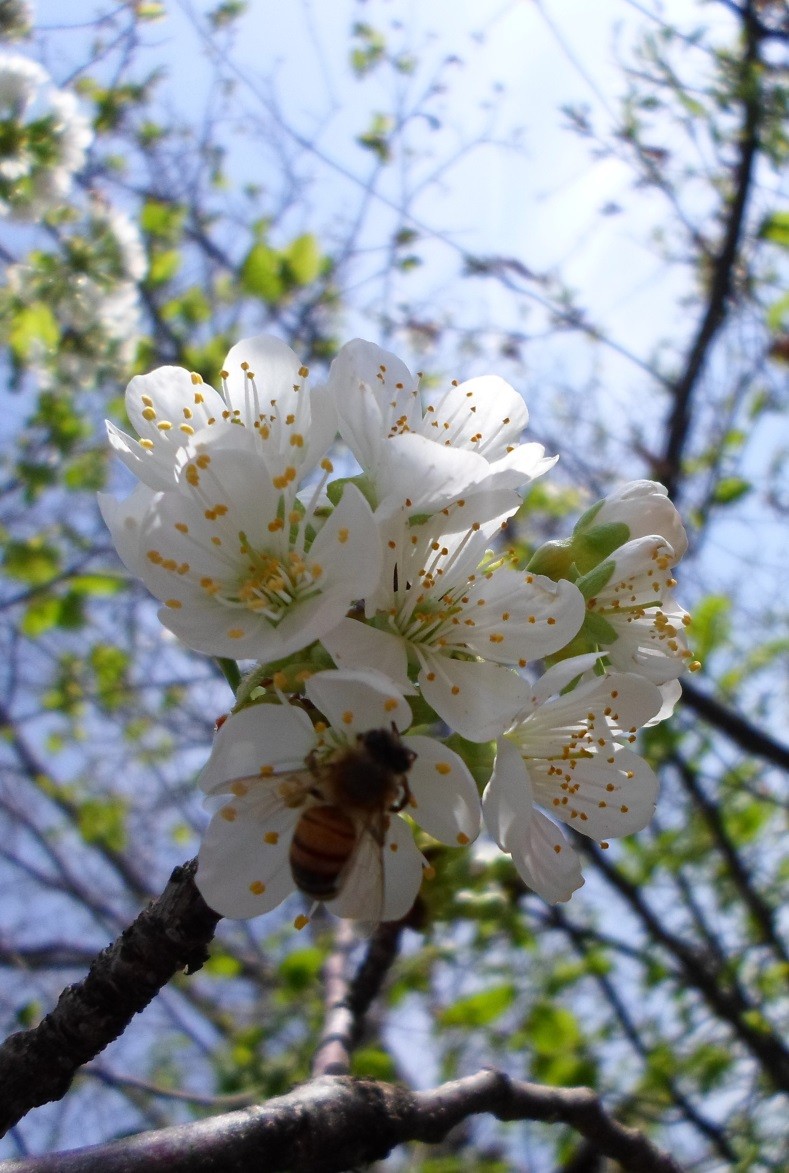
(479, 1009)
(100, 585)
(163, 221)
(41, 616)
(33, 326)
(711, 625)
(778, 313)
(110, 666)
(373, 1063)
(731, 489)
(163, 266)
(103, 821)
(590, 546)
(31, 561)
(261, 274)
(597, 629)
(301, 969)
(302, 259)
(775, 228)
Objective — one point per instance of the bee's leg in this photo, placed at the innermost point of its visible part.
(405, 799)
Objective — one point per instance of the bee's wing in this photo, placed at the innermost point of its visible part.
(362, 883)
(383, 877)
(276, 788)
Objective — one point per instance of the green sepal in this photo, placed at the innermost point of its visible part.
(598, 542)
(231, 672)
(586, 519)
(363, 483)
(596, 580)
(553, 559)
(598, 630)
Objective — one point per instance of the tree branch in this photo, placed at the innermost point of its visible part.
(171, 934)
(720, 288)
(348, 1002)
(334, 1124)
(734, 726)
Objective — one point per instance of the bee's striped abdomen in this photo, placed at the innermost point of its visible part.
(321, 847)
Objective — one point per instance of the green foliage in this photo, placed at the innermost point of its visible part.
(480, 1009)
(775, 228)
(103, 821)
(378, 137)
(32, 326)
(273, 275)
(32, 561)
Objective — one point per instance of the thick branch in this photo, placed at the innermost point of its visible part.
(38, 1065)
(333, 1124)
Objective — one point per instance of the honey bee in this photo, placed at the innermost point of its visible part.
(356, 793)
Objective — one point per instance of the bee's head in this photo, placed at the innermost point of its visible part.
(386, 749)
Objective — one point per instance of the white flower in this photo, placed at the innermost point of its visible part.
(44, 138)
(644, 508)
(632, 592)
(460, 617)
(236, 559)
(569, 755)
(266, 403)
(277, 765)
(468, 438)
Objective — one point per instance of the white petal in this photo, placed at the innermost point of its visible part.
(376, 395)
(544, 859)
(670, 693)
(124, 520)
(169, 396)
(508, 796)
(275, 368)
(354, 702)
(644, 506)
(477, 699)
(240, 873)
(422, 476)
(446, 801)
(520, 617)
(484, 415)
(557, 677)
(354, 644)
(274, 736)
(605, 799)
(350, 546)
(154, 467)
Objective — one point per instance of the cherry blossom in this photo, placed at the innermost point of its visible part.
(461, 616)
(243, 568)
(270, 761)
(468, 438)
(45, 138)
(569, 753)
(266, 404)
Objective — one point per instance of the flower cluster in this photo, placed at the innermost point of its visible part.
(87, 292)
(383, 611)
(43, 139)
